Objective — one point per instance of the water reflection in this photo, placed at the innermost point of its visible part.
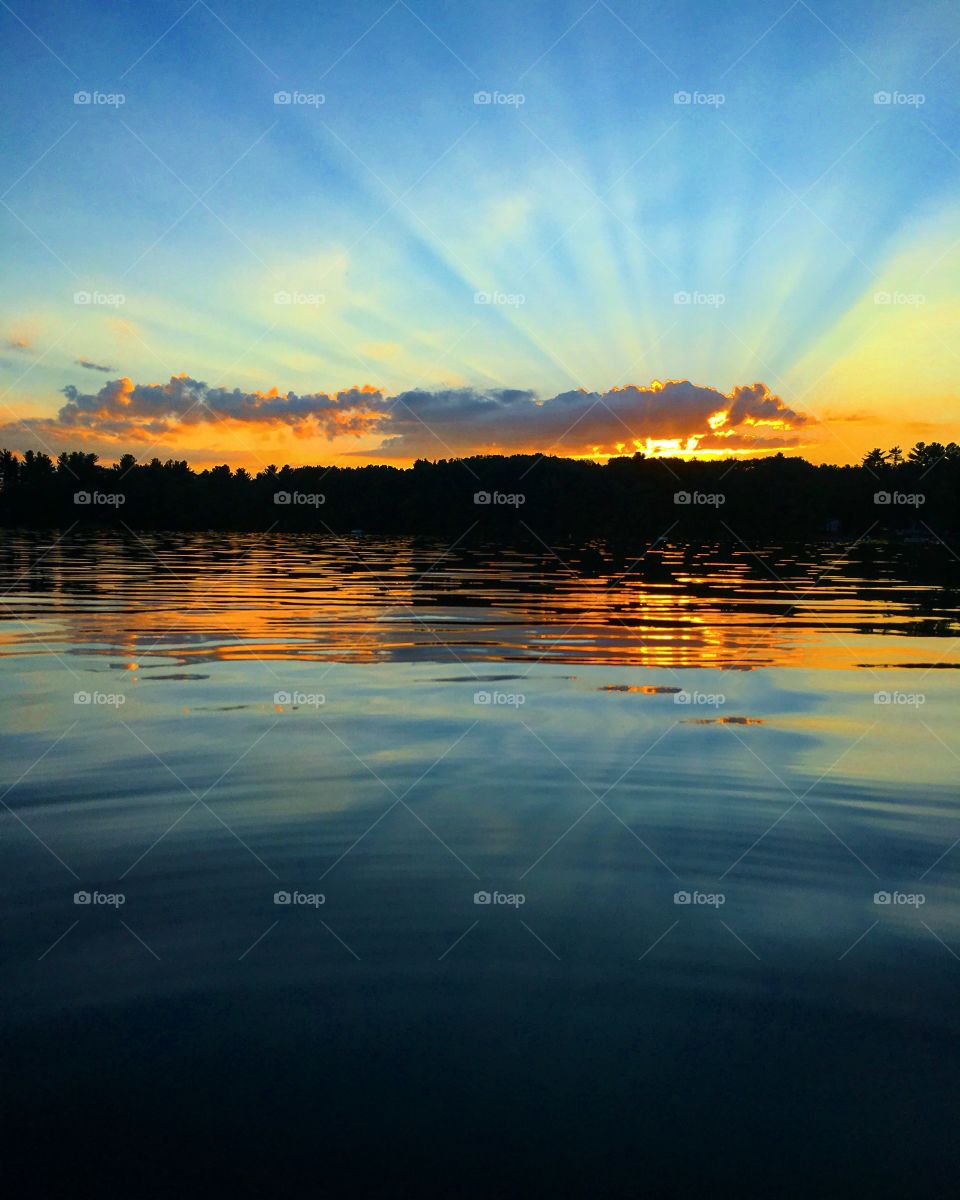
(196, 598)
(698, 779)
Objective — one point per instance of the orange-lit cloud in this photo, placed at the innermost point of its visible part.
(676, 417)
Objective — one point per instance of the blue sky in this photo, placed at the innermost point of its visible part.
(582, 204)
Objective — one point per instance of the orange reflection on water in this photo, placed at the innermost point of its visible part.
(193, 598)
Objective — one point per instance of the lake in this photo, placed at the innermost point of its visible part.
(502, 869)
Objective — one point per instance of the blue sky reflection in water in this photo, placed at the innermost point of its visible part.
(396, 728)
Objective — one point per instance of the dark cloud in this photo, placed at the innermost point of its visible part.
(92, 366)
(677, 415)
(578, 421)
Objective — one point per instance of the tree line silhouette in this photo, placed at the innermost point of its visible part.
(910, 495)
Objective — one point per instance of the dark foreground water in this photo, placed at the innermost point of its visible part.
(371, 868)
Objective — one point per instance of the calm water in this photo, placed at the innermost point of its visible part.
(194, 724)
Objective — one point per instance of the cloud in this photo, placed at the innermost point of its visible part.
(673, 417)
(157, 410)
(677, 415)
(17, 342)
(92, 366)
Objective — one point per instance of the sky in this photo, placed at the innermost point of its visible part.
(375, 231)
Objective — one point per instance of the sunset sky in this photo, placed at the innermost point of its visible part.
(388, 267)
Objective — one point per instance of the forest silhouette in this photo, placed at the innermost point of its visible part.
(915, 494)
